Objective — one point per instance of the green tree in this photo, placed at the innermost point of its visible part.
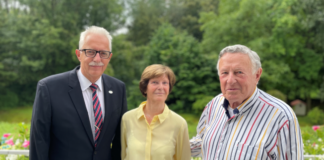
(196, 74)
(39, 39)
(291, 60)
(128, 63)
(147, 16)
(74, 16)
(189, 20)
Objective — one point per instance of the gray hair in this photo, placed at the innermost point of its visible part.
(97, 30)
(254, 57)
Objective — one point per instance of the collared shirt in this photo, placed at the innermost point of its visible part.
(166, 138)
(87, 97)
(230, 111)
(263, 127)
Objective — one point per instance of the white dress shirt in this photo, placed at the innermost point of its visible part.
(87, 97)
(230, 111)
(263, 127)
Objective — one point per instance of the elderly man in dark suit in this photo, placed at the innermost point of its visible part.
(76, 114)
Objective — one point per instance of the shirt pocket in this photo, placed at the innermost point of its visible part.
(246, 152)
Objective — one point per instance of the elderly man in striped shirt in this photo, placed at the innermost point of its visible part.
(244, 122)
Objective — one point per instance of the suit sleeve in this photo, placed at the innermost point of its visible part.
(40, 124)
(116, 145)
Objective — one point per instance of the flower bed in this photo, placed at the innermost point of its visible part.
(15, 141)
(313, 138)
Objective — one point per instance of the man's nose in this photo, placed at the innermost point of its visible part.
(231, 78)
(97, 57)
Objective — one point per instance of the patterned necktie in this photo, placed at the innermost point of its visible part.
(97, 111)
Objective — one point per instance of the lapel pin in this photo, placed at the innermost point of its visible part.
(110, 92)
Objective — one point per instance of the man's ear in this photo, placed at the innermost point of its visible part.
(78, 54)
(110, 57)
(258, 74)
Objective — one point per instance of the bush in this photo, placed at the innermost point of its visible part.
(278, 94)
(201, 103)
(316, 116)
(8, 99)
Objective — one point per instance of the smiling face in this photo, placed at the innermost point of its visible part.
(93, 68)
(236, 77)
(158, 89)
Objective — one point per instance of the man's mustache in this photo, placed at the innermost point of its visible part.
(96, 63)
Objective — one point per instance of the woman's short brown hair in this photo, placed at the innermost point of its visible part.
(153, 71)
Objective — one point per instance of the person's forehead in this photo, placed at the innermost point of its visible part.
(236, 60)
(96, 38)
(162, 76)
(236, 54)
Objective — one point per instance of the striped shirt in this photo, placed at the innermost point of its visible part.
(263, 127)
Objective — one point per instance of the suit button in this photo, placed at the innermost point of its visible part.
(95, 152)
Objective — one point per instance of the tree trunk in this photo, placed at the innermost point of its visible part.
(308, 103)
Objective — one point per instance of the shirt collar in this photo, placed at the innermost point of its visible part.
(161, 117)
(242, 107)
(85, 83)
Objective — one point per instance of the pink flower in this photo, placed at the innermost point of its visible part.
(315, 128)
(10, 142)
(25, 144)
(6, 135)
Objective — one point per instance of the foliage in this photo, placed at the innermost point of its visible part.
(127, 60)
(316, 116)
(313, 141)
(39, 38)
(135, 96)
(8, 98)
(128, 64)
(201, 103)
(278, 94)
(147, 16)
(192, 121)
(16, 130)
(281, 32)
(195, 73)
(322, 91)
(18, 139)
(189, 20)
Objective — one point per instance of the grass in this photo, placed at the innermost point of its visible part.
(15, 129)
(303, 121)
(192, 121)
(16, 115)
(11, 120)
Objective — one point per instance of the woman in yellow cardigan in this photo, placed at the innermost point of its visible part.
(152, 131)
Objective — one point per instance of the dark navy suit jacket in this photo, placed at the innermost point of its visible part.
(60, 127)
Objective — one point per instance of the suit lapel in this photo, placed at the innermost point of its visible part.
(78, 101)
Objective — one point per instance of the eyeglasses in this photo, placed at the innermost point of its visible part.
(92, 53)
